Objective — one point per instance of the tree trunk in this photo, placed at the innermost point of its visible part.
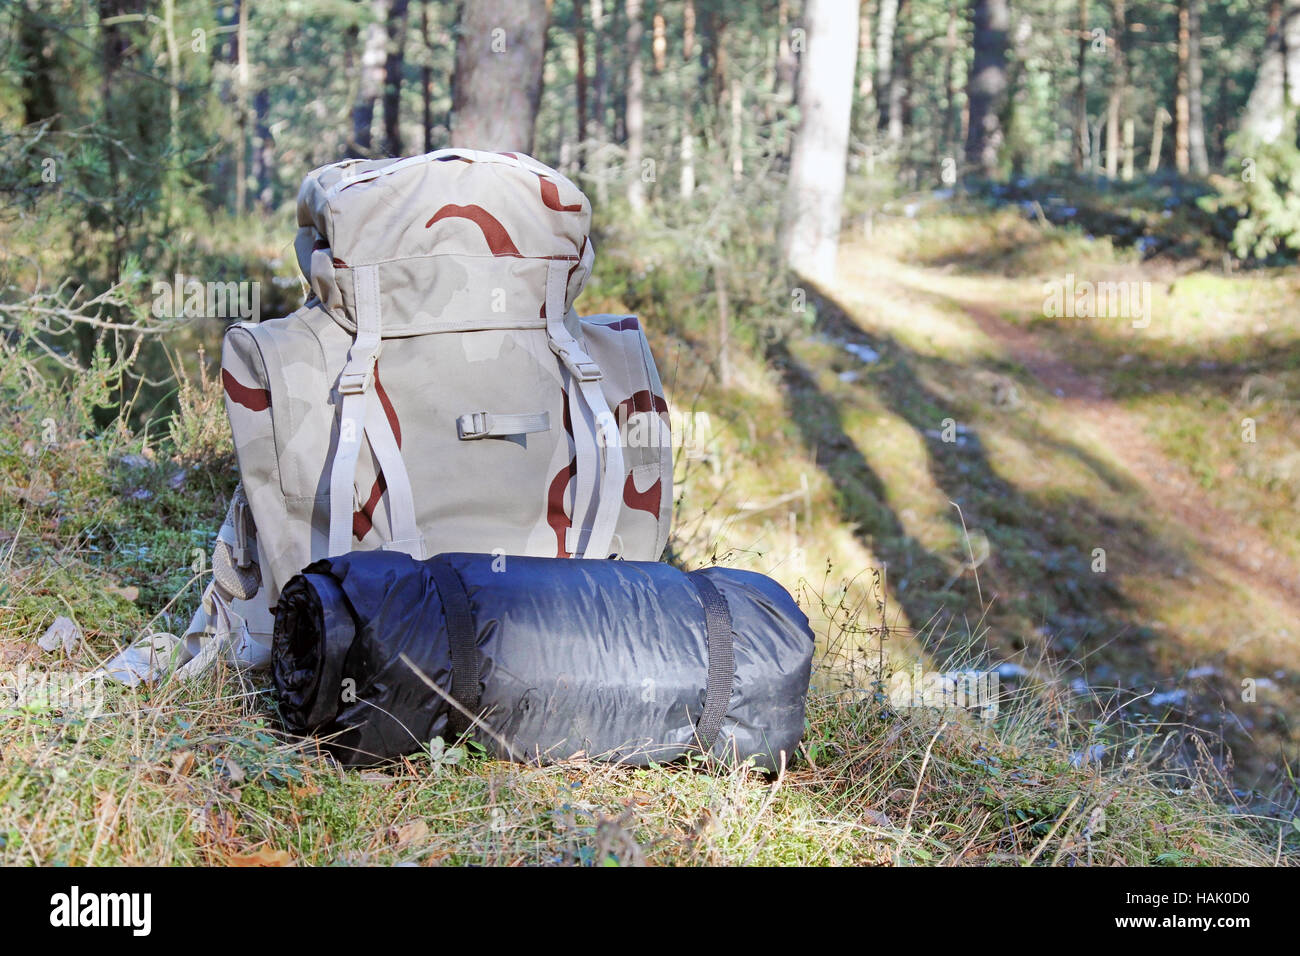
(900, 79)
(724, 320)
(1081, 144)
(987, 84)
(426, 79)
(39, 97)
(263, 149)
(900, 110)
(394, 61)
(786, 62)
(633, 113)
(1118, 89)
(686, 154)
(1182, 109)
(580, 40)
(599, 86)
(715, 51)
(737, 131)
(815, 192)
(371, 88)
(886, 26)
(1130, 133)
(241, 105)
(600, 81)
(497, 85)
(1276, 84)
(951, 120)
(659, 42)
(865, 67)
(1157, 138)
(1196, 110)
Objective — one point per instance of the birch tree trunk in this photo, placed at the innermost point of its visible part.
(1277, 84)
(815, 194)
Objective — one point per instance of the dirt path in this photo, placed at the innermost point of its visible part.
(1222, 536)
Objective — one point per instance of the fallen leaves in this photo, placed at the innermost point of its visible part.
(263, 856)
(411, 833)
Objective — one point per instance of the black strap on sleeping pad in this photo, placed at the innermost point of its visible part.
(464, 646)
(722, 660)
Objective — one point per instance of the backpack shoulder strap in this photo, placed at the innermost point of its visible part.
(359, 416)
(594, 427)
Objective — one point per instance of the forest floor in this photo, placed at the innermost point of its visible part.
(1132, 529)
(931, 466)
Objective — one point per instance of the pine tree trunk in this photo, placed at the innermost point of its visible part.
(497, 87)
(263, 149)
(241, 101)
(394, 62)
(737, 131)
(1196, 110)
(686, 151)
(426, 79)
(786, 62)
(1130, 134)
(866, 78)
(899, 80)
(886, 26)
(1118, 90)
(600, 84)
(951, 119)
(1081, 144)
(371, 88)
(580, 40)
(1182, 108)
(634, 117)
(815, 192)
(987, 84)
(600, 79)
(659, 42)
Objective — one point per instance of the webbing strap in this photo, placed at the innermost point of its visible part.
(722, 660)
(463, 642)
(354, 394)
(474, 425)
(404, 533)
(359, 417)
(593, 424)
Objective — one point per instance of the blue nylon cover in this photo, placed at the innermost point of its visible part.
(603, 658)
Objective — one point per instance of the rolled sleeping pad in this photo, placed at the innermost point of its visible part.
(628, 661)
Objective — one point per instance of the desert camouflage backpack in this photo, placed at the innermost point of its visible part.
(437, 391)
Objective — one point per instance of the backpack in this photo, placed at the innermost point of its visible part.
(437, 391)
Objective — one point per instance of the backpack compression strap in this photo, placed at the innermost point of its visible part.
(358, 416)
(593, 424)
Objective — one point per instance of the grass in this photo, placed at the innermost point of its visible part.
(829, 473)
(198, 775)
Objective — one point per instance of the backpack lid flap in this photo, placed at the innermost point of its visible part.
(461, 238)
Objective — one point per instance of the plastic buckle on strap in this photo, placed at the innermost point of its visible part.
(582, 365)
(357, 382)
(473, 425)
